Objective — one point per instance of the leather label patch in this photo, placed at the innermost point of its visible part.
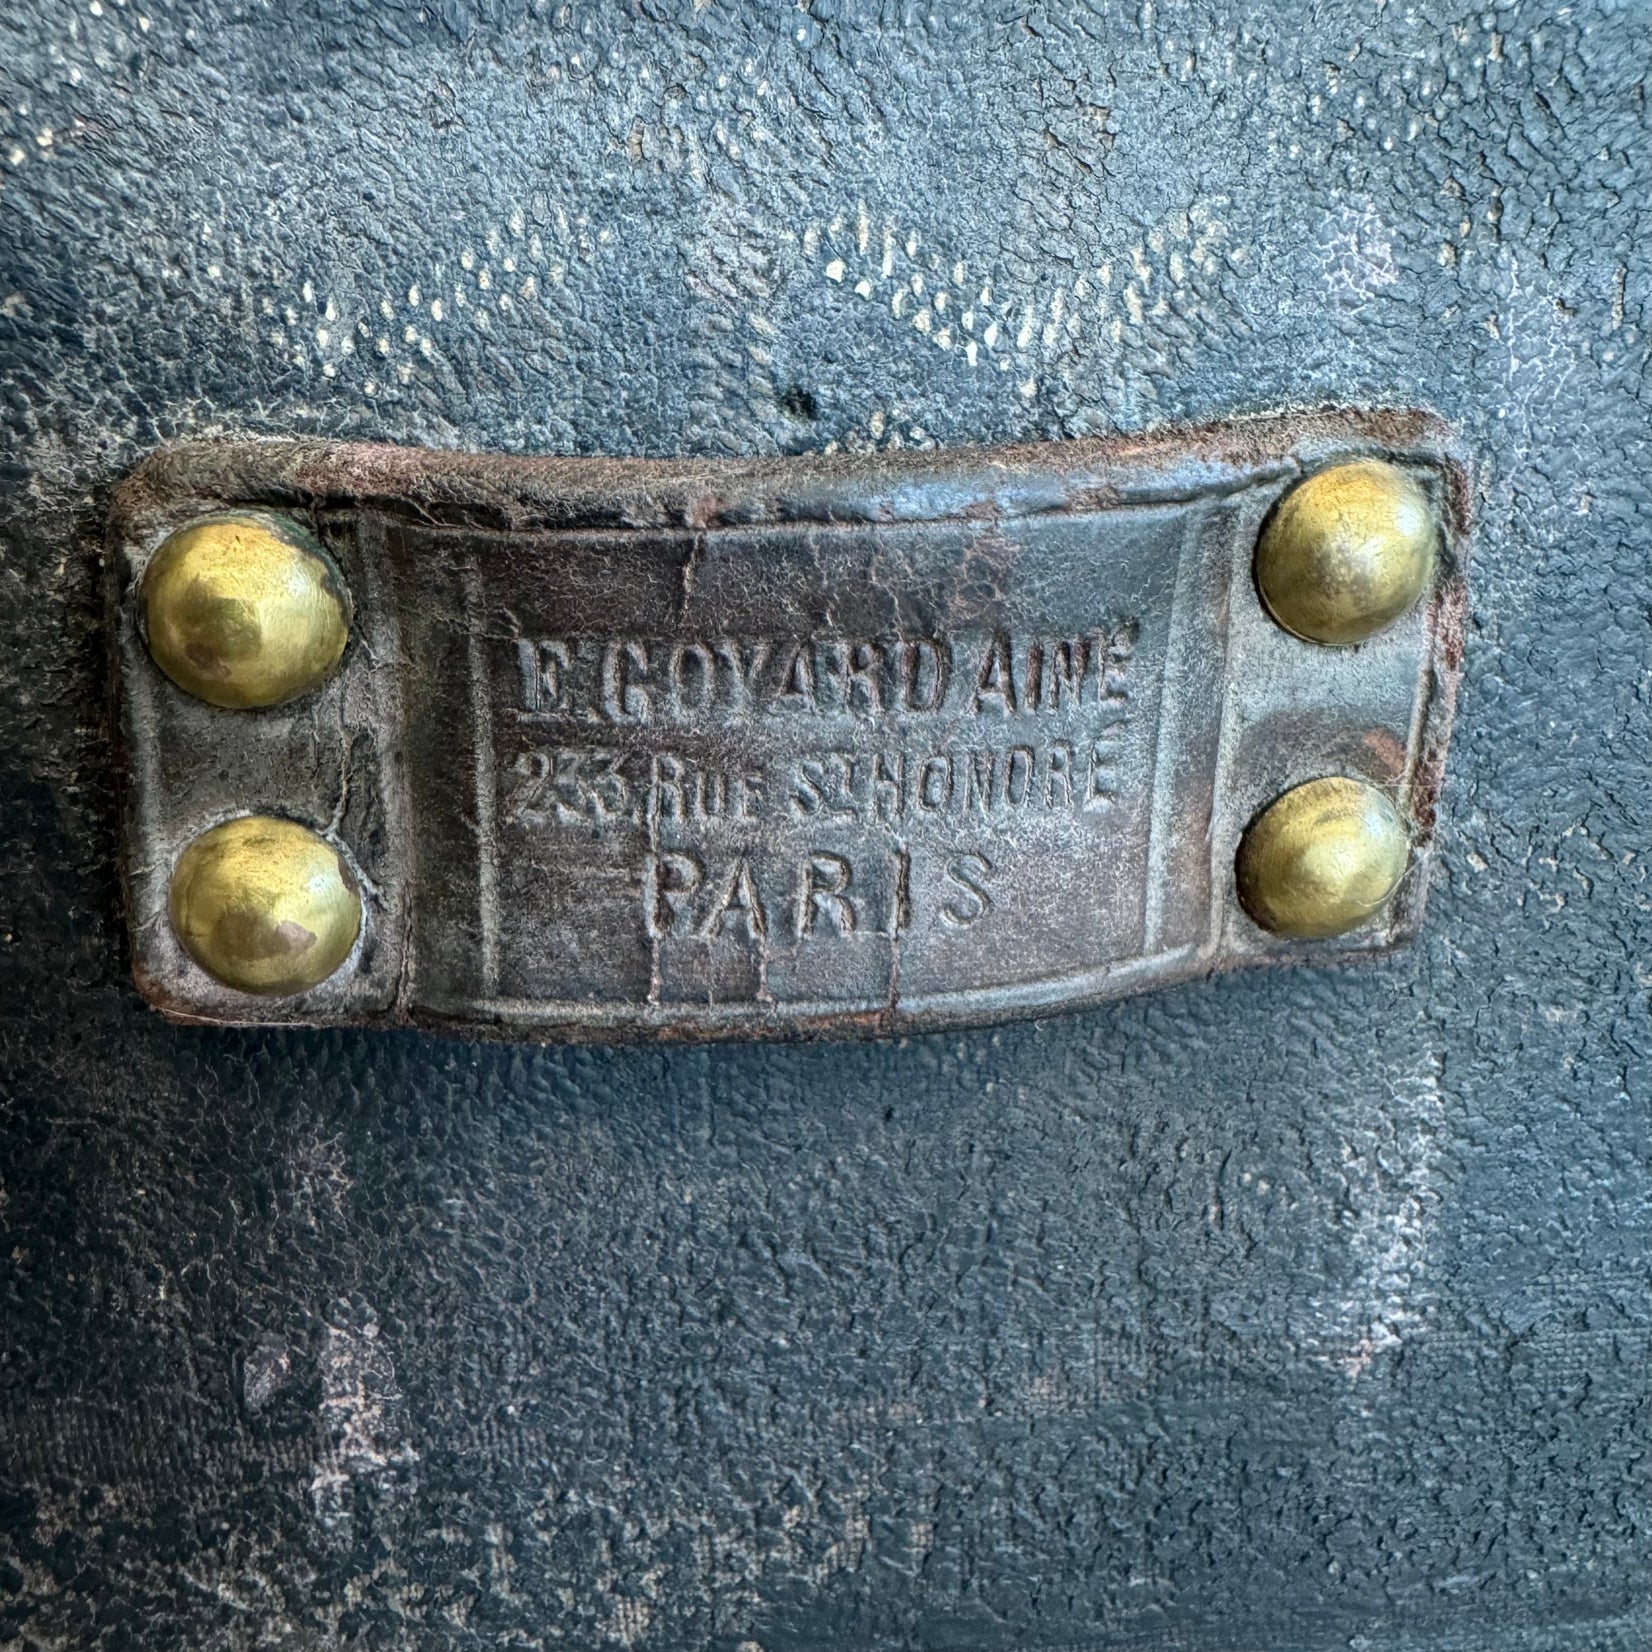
(761, 747)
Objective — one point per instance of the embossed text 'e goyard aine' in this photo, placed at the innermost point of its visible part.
(777, 746)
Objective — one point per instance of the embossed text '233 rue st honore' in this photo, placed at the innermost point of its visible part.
(837, 733)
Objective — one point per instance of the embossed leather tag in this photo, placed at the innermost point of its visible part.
(781, 746)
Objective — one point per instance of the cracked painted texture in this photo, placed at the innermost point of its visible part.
(1293, 1312)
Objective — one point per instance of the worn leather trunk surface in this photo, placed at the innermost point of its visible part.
(1289, 1311)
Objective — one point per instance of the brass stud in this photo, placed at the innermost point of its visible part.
(245, 610)
(1346, 552)
(265, 905)
(1323, 858)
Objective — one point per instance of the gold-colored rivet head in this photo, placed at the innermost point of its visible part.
(265, 905)
(1346, 552)
(1322, 859)
(245, 610)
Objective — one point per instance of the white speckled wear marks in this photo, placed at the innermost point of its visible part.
(1295, 1311)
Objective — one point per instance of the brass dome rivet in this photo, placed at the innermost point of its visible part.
(245, 610)
(265, 905)
(1321, 859)
(1346, 552)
